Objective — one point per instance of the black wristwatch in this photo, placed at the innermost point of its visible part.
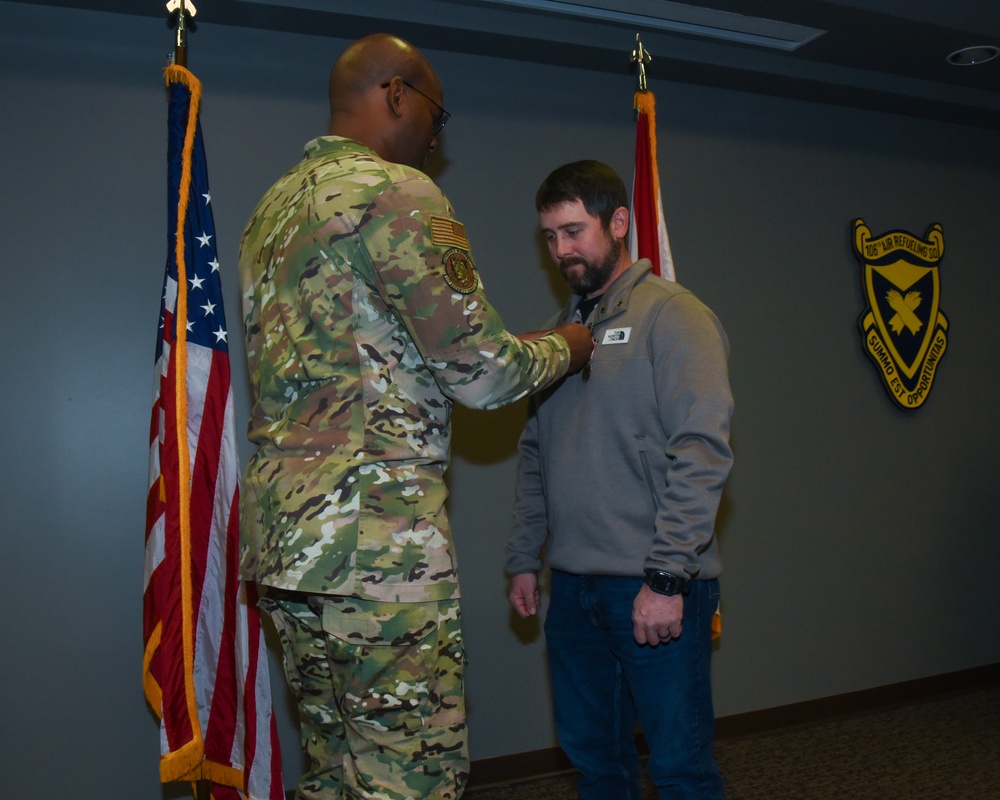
(665, 583)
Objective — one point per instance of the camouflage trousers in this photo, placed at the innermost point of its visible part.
(380, 695)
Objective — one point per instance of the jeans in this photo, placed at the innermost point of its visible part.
(602, 681)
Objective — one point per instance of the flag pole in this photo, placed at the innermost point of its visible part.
(183, 9)
(201, 789)
(649, 228)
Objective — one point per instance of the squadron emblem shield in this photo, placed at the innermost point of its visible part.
(903, 329)
(460, 273)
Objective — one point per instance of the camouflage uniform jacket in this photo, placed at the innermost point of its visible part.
(364, 318)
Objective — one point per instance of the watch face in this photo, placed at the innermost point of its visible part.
(664, 582)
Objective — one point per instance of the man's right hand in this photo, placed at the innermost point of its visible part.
(581, 344)
(523, 595)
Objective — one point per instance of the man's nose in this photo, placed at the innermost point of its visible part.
(562, 247)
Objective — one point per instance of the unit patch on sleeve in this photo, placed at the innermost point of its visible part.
(459, 272)
(903, 329)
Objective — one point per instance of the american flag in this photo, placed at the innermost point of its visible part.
(205, 664)
(649, 228)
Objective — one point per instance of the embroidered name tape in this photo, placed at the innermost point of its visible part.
(616, 336)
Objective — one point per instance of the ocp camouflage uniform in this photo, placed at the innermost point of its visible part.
(364, 319)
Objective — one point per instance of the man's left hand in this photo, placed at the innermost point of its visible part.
(656, 618)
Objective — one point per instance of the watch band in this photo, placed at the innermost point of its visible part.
(666, 583)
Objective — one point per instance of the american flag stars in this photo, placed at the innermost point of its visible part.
(206, 318)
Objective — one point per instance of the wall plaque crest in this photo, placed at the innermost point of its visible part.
(904, 330)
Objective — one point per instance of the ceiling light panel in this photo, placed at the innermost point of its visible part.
(681, 18)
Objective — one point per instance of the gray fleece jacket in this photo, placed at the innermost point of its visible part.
(622, 469)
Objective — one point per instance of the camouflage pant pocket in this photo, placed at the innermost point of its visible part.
(407, 661)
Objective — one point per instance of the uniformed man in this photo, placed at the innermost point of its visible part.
(365, 318)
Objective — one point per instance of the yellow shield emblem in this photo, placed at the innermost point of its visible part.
(903, 329)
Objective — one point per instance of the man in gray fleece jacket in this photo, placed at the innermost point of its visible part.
(622, 468)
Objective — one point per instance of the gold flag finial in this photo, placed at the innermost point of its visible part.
(641, 56)
(184, 9)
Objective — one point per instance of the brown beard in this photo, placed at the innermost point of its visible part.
(595, 273)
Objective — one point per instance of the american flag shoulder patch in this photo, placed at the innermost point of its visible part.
(448, 233)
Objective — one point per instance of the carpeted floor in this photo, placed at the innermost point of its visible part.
(942, 749)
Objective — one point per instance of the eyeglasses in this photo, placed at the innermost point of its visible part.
(443, 117)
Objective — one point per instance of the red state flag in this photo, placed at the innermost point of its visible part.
(649, 229)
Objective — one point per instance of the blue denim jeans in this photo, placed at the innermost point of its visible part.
(602, 681)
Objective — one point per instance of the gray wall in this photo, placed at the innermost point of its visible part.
(860, 541)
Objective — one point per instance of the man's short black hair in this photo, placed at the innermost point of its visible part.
(594, 184)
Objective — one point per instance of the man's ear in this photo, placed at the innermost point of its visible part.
(619, 222)
(394, 94)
